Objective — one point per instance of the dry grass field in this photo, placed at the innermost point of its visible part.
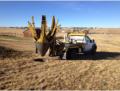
(21, 68)
(11, 31)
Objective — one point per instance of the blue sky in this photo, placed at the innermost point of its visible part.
(69, 13)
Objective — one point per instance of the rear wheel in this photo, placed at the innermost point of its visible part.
(71, 52)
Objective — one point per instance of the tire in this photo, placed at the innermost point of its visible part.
(69, 54)
(61, 55)
(93, 51)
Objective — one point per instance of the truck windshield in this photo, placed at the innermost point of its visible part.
(77, 38)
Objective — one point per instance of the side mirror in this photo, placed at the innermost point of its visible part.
(93, 40)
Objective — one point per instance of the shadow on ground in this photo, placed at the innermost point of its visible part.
(11, 53)
(39, 60)
(98, 56)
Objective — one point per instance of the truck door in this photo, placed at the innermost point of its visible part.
(88, 44)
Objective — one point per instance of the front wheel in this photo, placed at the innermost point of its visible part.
(94, 48)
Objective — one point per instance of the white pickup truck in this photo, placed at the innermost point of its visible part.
(78, 43)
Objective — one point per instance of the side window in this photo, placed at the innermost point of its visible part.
(87, 39)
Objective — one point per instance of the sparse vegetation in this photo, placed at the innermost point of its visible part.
(12, 53)
(10, 37)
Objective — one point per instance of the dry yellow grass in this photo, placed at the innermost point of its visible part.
(23, 69)
(11, 31)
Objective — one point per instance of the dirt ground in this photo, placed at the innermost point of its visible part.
(21, 68)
